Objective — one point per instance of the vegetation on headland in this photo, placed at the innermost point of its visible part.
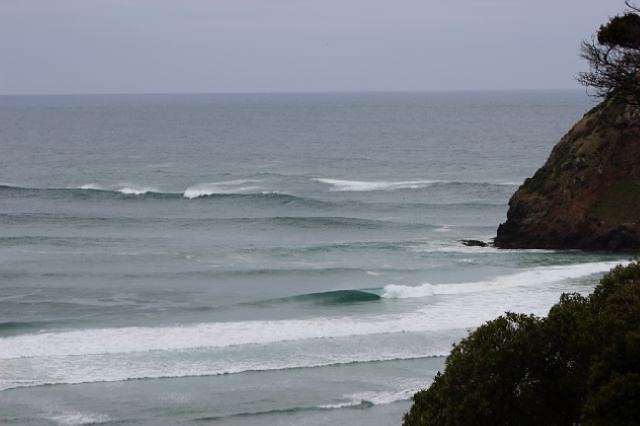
(614, 58)
(579, 365)
(587, 194)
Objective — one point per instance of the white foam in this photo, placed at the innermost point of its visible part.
(537, 276)
(382, 398)
(78, 418)
(443, 228)
(447, 247)
(225, 334)
(374, 398)
(422, 329)
(225, 187)
(355, 185)
(104, 368)
(136, 190)
(198, 336)
(378, 398)
(92, 186)
(381, 185)
(124, 188)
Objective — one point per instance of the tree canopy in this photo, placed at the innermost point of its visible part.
(579, 365)
(614, 58)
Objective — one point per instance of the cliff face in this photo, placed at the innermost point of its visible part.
(587, 194)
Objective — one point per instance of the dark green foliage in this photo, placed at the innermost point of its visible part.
(498, 359)
(580, 365)
(614, 58)
(614, 382)
(621, 31)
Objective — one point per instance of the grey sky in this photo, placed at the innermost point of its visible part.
(157, 46)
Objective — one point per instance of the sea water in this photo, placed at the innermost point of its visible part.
(261, 258)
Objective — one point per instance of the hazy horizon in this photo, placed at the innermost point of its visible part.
(282, 46)
(295, 92)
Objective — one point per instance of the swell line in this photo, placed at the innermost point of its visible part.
(15, 384)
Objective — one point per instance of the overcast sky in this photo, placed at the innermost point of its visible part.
(165, 46)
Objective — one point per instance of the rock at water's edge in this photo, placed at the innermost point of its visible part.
(587, 194)
(474, 243)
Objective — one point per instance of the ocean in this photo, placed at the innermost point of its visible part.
(253, 259)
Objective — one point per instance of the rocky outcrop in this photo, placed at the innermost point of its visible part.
(474, 243)
(587, 194)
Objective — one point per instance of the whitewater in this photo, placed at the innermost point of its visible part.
(178, 259)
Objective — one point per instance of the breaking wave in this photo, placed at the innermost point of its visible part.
(537, 276)
(224, 334)
(89, 191)
(213, 348)
(360, 400)
(336, 297)
(367, 399)
(358, 186)
(239, 186)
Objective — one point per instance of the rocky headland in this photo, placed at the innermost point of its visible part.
(587, 195)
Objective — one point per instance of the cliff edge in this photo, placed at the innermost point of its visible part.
(587, 194)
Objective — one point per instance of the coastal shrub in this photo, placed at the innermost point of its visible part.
(579, 365)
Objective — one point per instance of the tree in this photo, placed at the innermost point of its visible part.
(491, 378)
(579, 365)
(614, 58)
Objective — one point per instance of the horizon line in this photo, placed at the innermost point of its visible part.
(287, 92)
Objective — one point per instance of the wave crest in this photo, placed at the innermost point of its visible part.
(536, 276)
(136, 190)
(336, 297)
(368, 399)
(355, 185)
(343, 185)
(239, 186)
(225, 334)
